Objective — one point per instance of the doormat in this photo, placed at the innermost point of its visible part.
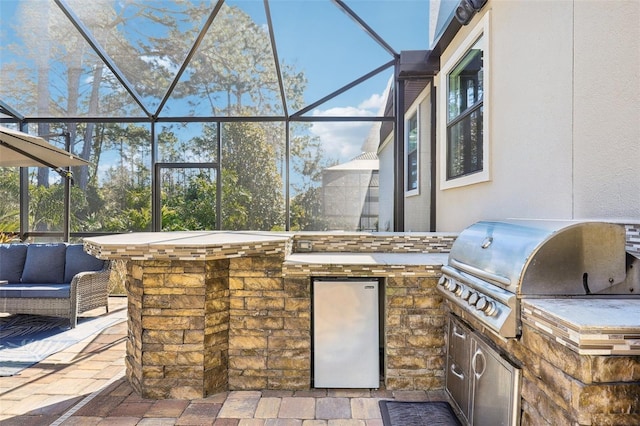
(28, 339)
(410, 413)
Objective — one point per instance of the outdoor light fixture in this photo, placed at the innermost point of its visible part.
(467, 8)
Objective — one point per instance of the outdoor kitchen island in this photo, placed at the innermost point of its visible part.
(215, 311)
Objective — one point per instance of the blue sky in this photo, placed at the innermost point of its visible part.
(340, 51)
(332, 50)
(330, 47)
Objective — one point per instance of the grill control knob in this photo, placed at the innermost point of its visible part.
(457, 291)
(451, 285)
(490, 309)
(473, 299)
(486, 306)
(443, 281)
(481, 304)
(465, 294)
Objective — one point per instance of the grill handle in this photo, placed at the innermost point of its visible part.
(488, 276)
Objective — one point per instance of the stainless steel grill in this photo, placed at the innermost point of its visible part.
(493, 264)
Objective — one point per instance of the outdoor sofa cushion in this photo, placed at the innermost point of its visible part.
(12, 257)
(50, 275)
(44, 263)
(77, 260)
(40, 291)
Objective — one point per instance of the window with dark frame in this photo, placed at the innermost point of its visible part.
(412, 153)
(464, 114)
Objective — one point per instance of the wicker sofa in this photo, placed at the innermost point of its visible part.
(58, 280)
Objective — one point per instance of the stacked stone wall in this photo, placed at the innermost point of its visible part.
(270, 335)
(216, 326)
(414, 333)
(133, 359)
(167, 302)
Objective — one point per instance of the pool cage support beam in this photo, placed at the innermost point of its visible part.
(287, 117)
(412, 65)
(64, 173)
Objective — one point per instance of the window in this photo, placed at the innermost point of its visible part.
(412, 153)
(464, 115)
(465, 145)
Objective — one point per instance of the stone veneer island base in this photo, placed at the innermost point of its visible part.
(216, 311)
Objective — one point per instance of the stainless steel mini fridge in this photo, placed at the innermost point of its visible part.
(346, 334)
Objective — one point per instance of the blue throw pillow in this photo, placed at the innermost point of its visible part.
(44, 263)
(12, 258)
(79, 261)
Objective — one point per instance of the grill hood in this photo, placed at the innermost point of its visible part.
(542, 257)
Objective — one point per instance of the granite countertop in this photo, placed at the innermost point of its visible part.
(588, 325)
(184, 238)
(206, 245)
(186, 245)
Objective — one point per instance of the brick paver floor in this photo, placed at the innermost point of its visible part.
(86, 385)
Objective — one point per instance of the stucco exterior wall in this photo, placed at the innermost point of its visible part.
(607, 109)
(417, 207)
(564, 114)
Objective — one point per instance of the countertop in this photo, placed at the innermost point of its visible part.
(588, 325)
(198, 245)
(437, 259)
(187, 245)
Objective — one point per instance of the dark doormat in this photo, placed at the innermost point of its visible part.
(409, 413)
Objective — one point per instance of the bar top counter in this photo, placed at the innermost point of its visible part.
(185, 245)
(298, 247)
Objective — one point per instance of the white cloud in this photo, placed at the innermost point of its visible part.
(341, 140)
(375, 103)
(344, 140)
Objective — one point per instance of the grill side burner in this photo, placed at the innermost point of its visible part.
(492, 264)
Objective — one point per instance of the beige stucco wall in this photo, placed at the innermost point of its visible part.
(417, 207)
(607, 109)
(564, 114)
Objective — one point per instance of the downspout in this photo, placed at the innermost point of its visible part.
(434, 162)
(398, 154)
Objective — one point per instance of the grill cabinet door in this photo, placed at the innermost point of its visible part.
(458, 364)
(495, 388)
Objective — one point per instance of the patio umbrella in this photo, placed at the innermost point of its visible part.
(18, 149)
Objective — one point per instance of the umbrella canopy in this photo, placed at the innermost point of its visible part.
(18, 149)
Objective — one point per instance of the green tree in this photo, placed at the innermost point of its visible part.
(307, 163)
(126, 193)
(232, 73)
(10, 196)
(248, 160)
